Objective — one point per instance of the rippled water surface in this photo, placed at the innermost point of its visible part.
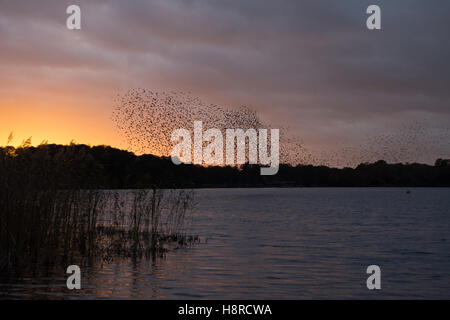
(286, 244)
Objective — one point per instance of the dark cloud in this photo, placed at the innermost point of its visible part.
(309, 64)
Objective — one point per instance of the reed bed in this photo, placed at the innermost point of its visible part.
(53, 212)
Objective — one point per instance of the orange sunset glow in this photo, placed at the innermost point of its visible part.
(59, 85)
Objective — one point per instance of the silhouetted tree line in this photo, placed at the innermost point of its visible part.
(82, 166)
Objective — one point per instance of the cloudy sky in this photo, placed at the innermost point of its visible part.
(311, 65)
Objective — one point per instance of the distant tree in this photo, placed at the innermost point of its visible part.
(83, 166)
(442, 162)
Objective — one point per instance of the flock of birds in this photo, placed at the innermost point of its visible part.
(146, 120)
(413, 142)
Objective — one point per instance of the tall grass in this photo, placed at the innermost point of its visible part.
(50, 214)
(142, 222)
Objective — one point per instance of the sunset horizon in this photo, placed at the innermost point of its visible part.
(371, 97)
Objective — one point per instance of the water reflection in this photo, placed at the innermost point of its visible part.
(284, 244)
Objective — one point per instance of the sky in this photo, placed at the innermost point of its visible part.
(312, 66)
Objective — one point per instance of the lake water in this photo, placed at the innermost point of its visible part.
(296, 243)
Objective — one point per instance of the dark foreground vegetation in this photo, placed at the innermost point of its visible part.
(55, 212)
